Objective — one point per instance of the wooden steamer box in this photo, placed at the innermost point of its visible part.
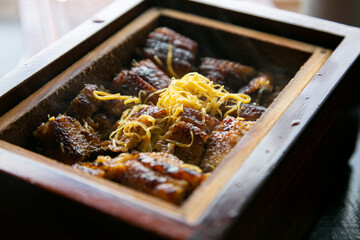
(270, 185)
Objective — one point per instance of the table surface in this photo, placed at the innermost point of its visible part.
(45, 21)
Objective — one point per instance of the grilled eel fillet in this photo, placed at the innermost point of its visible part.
(232, 75)
(184, 140)
(140, 82)
(159, 174)
(222, 140)
(149, 72)
(183, 51)
(66, 140)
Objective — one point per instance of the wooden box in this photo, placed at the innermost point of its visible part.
(266, 187)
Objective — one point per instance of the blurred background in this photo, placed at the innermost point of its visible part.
(28, 26)
(11, 46)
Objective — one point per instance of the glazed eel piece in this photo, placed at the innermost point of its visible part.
(149, 72)
(184, 140)
(128, 82)
(232, 75)
(222, 140)
(142, 80)
(159, 174)
(249, 112)
(86, 106)
(205, 122)
(242, 79)
(171, 51)
(64, 138)
(261, 89)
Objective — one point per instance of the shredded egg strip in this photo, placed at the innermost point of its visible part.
(168, 61)
(198, 92)
(192, 91)
(108, 96)
(144, 130)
